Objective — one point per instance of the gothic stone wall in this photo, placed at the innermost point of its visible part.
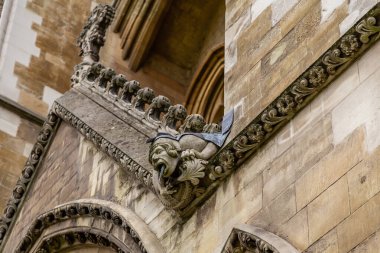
(315, 184)
(36, 63)
(74, 169)
(270, 43)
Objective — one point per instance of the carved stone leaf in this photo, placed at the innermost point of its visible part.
(192, 170)
(367, 28)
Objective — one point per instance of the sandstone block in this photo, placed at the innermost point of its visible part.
(328, 210)
(357, 227)
(315, 135)
(296, 230)
(278, 177)
(281, 8)
(232, 213)
(370, 245)
(327, 244)
(277, 212)
(368, 63)
(330, 168)
(364, 180)
(296, 14)
(256, 164)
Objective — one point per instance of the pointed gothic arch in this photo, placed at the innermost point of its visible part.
(206, 95)
(89, 223)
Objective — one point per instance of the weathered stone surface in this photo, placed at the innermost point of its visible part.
(327, 244)
(279, 211)
(296, 230)
(232, 214)
(370, 245)
(328, 210)
(364, 180)
(321, 176)
(278, 177)
(124, 136)
(361, 224)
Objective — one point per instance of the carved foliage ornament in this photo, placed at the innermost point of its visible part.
(308, 85)
(71, 211)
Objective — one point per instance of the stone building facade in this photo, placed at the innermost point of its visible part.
(298, 170)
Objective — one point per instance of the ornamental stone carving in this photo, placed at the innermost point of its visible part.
(180, 161)
(92, 37)
(48, 232)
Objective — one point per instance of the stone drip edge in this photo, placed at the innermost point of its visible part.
(308, 85)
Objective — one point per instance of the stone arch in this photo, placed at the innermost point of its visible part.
(90, 222)
(253, 239)
(205, 95)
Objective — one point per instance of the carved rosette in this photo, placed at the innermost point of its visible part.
(34, 159)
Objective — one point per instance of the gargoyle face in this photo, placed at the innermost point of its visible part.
(164, 158)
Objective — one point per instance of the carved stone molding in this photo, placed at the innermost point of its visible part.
(28, 173)
(322, 72)
(245, 238)
(207, 174)
(69, 239)
(73, 211)
(133, 168)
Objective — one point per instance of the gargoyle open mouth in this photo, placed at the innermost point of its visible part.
(161, 167)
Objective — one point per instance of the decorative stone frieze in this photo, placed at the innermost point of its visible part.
(84, 235)
(34, 160)
(298, 95)
(92, 37)
(247, 238)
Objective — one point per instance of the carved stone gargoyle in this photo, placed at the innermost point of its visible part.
(179, 160)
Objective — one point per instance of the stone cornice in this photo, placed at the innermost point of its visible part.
(126, 162)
